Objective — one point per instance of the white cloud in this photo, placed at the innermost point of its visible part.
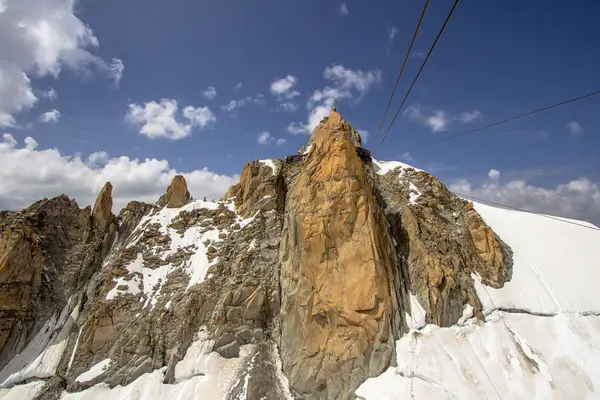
(575, 128)
(238, 86)
(28, 174)
(417, 54)
(468, 117)
(406, 157)
(344, 9)
(391, 32)
(283, 88)
(157, 120)
(50, 116)
(97, 159)
(349, 79)
(289, 106)
(39, 38)
(200, 116)
(348, 84)
(117, 67)
(296, 128)
(364, 135)
(437, 121)
(210, 92)
(265, 138)
(235, 104)
(578, 199)
(49, 94)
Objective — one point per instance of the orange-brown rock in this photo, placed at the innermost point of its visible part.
(177, 194)
(102, 211)
(337, 268)
(490, 250)
(257, 189)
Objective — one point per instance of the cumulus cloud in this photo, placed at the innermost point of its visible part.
(40, 38)
(159, 120)
(391, 33)
(265, 138)
(49, 94)
(406, 157)
(283, 87)
(468, 117)
(50, 116)
(117, 67)
(344, 9)
(283, 90)
(235, 104)
(28, 174)
(238, 86)
(578, 199)
(210, 92)
(438, 120)
(417, 54)
(364, 135)
(575, 128)
(347, 84)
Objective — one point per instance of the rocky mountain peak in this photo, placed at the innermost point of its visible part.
(298, 281)
(177, 194)
(335, 120)
(102, 211)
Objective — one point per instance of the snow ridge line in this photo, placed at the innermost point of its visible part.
(542, 314)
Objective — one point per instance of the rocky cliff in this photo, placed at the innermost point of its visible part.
(296, 284)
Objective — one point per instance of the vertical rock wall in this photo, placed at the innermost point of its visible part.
(339, 316)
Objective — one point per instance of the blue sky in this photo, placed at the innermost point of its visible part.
(495, 60)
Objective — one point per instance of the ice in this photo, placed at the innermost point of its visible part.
(201, 374)
(307, 150)
(132, 284)
(541, 337)
(556, 264)
(95, 371)
(383, 167)
(22, 392)
(414, 193)
(511, 356)
(268, 162)
(417, 318)
(42, 355)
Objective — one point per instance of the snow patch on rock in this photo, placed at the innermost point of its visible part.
(95, 371)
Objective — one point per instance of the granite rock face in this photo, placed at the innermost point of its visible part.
(177, 194)
(338, 269)
(47, 253)
(303, 269)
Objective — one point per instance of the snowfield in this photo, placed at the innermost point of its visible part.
(541, 337)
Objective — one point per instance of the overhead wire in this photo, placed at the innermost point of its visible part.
(527, 211)
(508, 119)
(408, 53)
(421, 69)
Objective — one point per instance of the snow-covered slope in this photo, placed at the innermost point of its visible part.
(541, 337)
